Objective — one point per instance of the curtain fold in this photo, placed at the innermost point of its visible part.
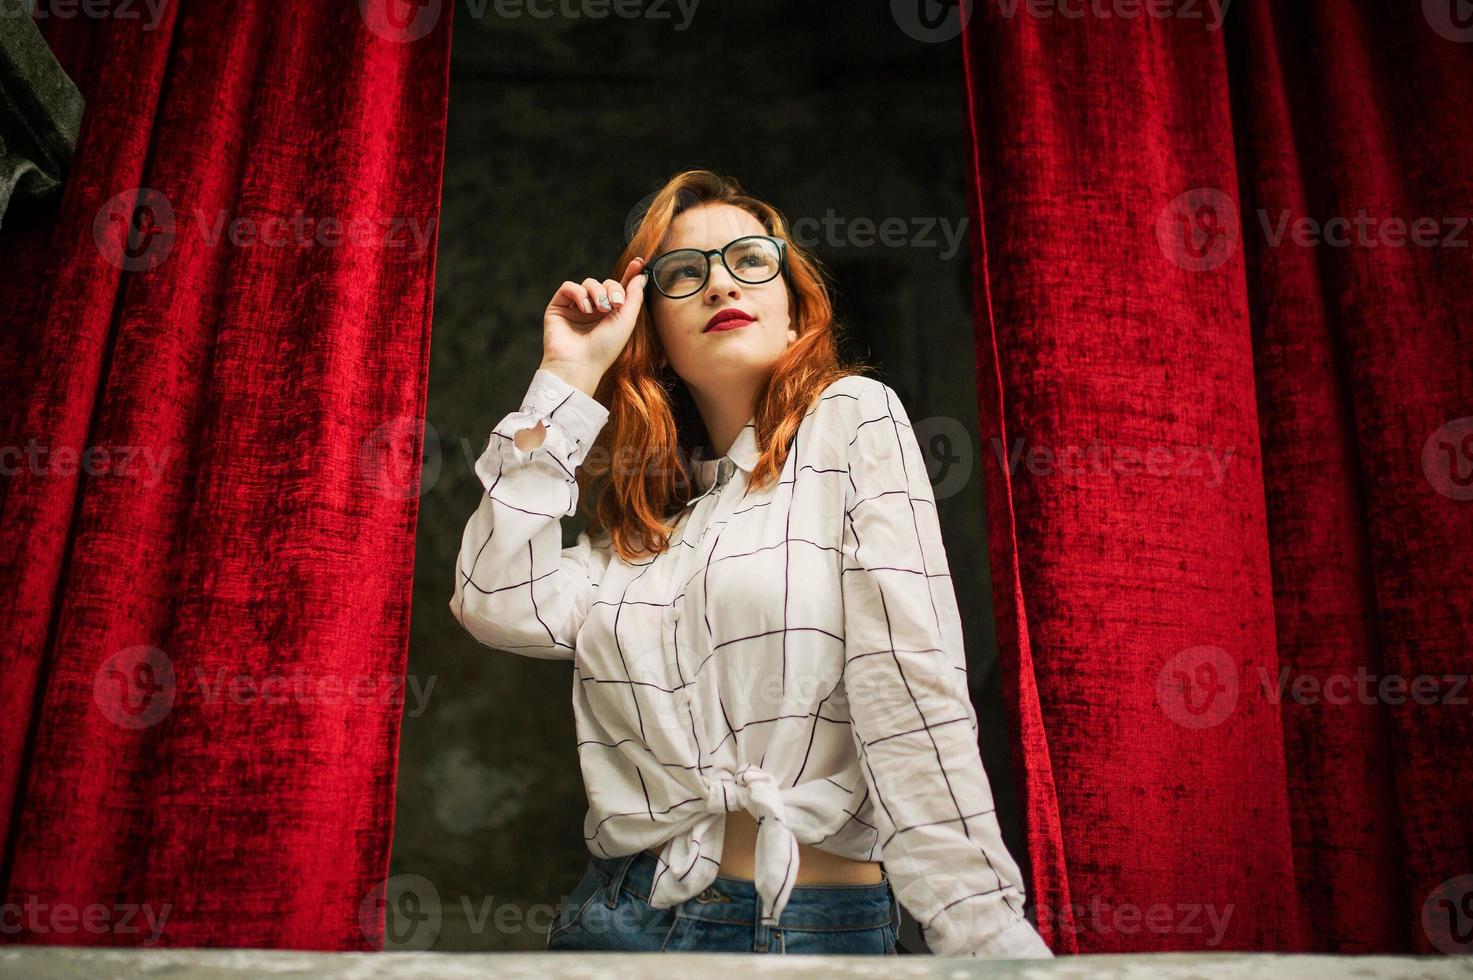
(220, 336)
(1229, 448)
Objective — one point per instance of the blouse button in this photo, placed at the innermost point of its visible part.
(549, 392)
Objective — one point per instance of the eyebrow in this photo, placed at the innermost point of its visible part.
(747, 234)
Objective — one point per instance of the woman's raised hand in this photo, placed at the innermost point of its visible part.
(587, 324)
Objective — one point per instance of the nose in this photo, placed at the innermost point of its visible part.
(720, 281)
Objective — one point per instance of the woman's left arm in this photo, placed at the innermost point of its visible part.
(905, 678)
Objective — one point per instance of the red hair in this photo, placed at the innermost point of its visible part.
(651, 414)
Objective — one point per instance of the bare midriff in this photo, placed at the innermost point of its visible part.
(815, 867)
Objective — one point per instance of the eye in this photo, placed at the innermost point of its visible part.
(679, 266)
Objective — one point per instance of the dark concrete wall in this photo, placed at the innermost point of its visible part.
(557, 128)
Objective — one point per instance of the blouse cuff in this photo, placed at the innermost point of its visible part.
(579, 413)
(573, 420)
(1018, 941)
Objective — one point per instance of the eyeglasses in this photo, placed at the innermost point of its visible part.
(752, 259)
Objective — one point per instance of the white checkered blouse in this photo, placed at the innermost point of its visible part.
(796, 653)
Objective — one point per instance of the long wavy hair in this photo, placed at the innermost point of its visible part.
(639, 473)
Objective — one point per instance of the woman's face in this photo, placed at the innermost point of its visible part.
(711, 361)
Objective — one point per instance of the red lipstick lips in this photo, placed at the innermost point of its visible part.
(727, 320)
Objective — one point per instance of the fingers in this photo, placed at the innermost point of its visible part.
(615, 292)
(572, 295)
(633, 299)
(598, 293)
(591, 295)
(634, 268)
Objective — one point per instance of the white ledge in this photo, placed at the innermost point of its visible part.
(91, 963)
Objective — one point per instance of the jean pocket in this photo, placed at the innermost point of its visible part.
(585, 893)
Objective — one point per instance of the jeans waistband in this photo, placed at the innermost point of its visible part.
(735, 900)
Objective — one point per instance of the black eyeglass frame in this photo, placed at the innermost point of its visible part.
(782, 264)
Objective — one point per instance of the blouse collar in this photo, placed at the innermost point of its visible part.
(743, 454)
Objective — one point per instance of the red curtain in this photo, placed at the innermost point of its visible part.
(218, 340)
(1228, 446)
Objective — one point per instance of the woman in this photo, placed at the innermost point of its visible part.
(770, 688)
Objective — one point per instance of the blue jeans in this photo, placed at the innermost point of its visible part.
(609, 910)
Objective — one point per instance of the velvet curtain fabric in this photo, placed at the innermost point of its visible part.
(217, 347)
(1229, 462)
